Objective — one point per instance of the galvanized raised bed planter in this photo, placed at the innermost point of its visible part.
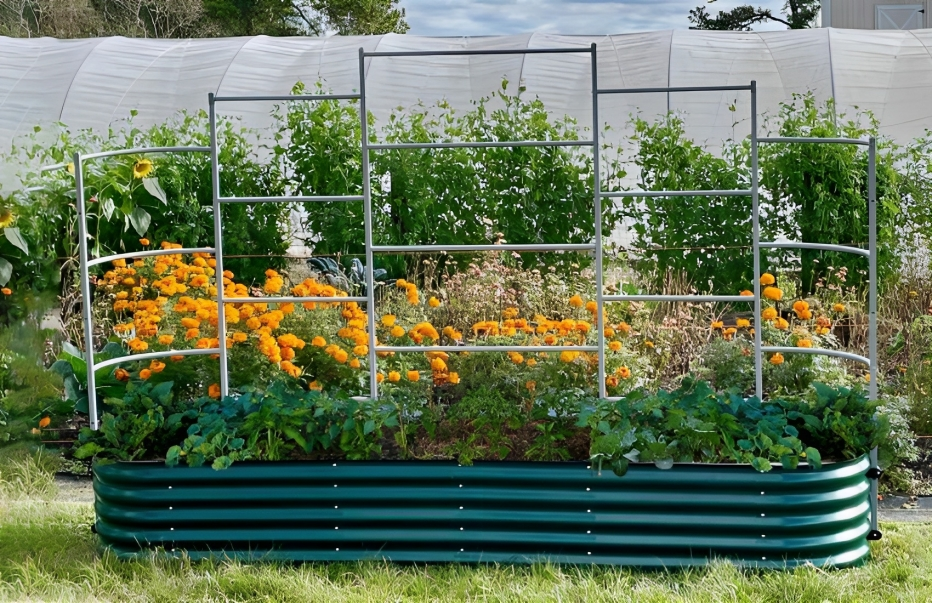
(490, 512)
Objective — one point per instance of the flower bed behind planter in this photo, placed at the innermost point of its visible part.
(509, 512)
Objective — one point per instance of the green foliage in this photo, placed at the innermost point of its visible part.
(462, 195)
(797, 14)
(172, 203)
(487, 413)
(696, 424)
(199, 18)
(818, 192)
(688, 235)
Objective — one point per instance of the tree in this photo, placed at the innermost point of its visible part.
(797, 14)
(198, 18)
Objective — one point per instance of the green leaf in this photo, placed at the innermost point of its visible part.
(221, 462)
(140, 219)
(172, 456)
(107, 207)
(152, 185)
(368, 427)
(6, 272)
(789, 461)
(814, 458)
(14, 236)
(62, 368)
(761, 464)
(620, 466)
(745, 445)
(88, 450)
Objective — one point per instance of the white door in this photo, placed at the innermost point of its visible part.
(899, 16)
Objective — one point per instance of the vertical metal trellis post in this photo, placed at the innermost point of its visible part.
(218, 246)
(755, 246)
(367, 225)
(597, 210)
(85, 292)
(872, 300)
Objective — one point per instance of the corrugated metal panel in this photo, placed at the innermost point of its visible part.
(490, 512)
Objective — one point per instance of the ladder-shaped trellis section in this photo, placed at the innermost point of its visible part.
(219, 200)
(87, 262)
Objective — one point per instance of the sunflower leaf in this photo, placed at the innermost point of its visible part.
(140, 219)
(13, 236)
(6, 271)
(152, 185)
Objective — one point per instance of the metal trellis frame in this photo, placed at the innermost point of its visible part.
(595, 246)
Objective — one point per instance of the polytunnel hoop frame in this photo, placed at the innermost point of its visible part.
(595, 246)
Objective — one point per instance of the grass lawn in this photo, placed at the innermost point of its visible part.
(48, 553)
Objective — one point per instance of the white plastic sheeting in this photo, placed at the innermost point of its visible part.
(96, 82)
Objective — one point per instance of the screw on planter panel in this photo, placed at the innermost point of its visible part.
(874, 473)
(763, 515)
(874, 535)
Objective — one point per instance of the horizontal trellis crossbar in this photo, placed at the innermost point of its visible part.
(680, 298)
(477, 52)
(819, 246)
(291, 199)
(818, 351)
(708, 193)
(814, 140)
(665, 89)
(144, 151)
(232, 299)
(149, 253)
(487, 348)
(153, 356)
(529, 247)
(287, 97)
(479, 144)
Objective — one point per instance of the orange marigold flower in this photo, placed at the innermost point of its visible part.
(214, 390)
(743, 323)
(398, 331)
(531, 362)
(576, 301)
(401, 283)
(6, 291)
(394, 376)
(240, 337)
(611, 381)
(361, 350)
(318, 342)
(769, 313)
(156, 366)
(414, 376)
(767, 279)
(623, 372)
(800, 306)
(121, 375)
(614, 346)
(838, 307)
(453, 378)
(44, 422)
(568, 356)
(379, 377)
(747, 293)
(804, 315)
(624, 327)
(781, 324)
(592, 306)
(340, 356)
(717, 324)
(192, 334)
(773, 293)
(776, 359)
(433, 302)
(388, 320)
(166, 339)
(144, 242)
(516, 358)
(649, 344)
(145, 374)
(438, 365)
(354, 363)
(177, 358)
(804, 343)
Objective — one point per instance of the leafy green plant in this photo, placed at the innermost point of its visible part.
(818, 192)
(706, 238)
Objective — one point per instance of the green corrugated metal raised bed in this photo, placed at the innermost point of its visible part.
(491, 512)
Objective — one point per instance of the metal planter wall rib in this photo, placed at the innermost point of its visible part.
(490, 512)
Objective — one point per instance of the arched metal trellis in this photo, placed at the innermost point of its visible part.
(595, 247)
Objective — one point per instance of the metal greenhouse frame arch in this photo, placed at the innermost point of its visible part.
(595, 246)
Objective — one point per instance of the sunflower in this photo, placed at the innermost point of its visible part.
(142, 168)
(6, 217)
